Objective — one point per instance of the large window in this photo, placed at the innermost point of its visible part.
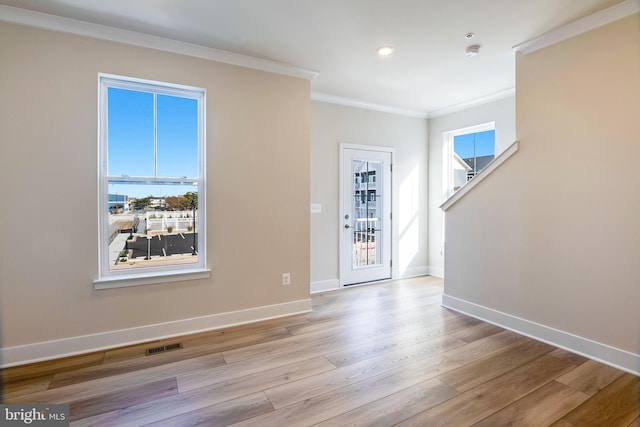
(152, 169)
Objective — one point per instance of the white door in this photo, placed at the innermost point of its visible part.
(365, 217)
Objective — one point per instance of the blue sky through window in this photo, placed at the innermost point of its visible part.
(131, 148)
(475, 144)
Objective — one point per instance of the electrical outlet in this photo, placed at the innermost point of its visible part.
(286, 278)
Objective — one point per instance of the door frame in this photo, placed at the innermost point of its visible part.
(341, 207)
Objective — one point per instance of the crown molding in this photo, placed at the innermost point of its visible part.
(503, 94)
(588, 23)
(350, 102)
(46, 21)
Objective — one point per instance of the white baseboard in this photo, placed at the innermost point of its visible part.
(436, 271)
(37, 352)
(421, 270)
(325, 285)
(604, 353)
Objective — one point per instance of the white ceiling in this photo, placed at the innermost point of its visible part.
(427, 72)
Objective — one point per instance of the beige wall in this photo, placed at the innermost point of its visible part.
(503, 113)
(334, 124)
(258, 147)
(553, 236)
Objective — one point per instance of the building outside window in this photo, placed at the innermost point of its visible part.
(476, 149)
(465, 153)
(152, 169)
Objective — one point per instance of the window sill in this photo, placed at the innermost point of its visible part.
(510, 151)
(150, 278)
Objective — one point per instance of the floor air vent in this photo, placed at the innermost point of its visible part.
(163, 348)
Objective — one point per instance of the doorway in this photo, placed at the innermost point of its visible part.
(365, 214)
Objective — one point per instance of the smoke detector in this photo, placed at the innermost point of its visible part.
(472, 50)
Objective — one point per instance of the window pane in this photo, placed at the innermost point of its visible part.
(485, 143)
(463, 146)
(130, 133)
(367, 223)
(152, 225)
(476, 150)
(177, 136)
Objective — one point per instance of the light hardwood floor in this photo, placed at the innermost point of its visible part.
(378, 355)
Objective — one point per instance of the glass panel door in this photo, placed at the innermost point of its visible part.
(366, 213)
(365, 248)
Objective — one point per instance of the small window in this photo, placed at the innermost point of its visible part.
(152, 169)
(467, 151)
(476, 150)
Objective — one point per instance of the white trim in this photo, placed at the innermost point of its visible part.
(604, 353)
(503, 94)
(111, 282)
(355, 103)
(350, 102)
(588, 23)
(73, 26)
(173, 272)
(394, 246)
(495, 163)
(325, 285)
(46, 350)
(421, 270)
(436, 271)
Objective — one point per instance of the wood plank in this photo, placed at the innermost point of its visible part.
(477, 332)
(635, 423)
(590, 377)
(616, 405)
(50, 367)
(475, 373)
(388, 343)
(562, 423)
(431, 309)
(217, 341)
(338, 337)
(20, 388)
(318, 384)
(187, 401)
(398, 406)
(222, 414)
(476, 404)
(345, 399)
(484, 347)
(339, 309)
(100, 386)
(573, 358)
(539, 408)
(122, 398)
(203, 378)
(124, 365)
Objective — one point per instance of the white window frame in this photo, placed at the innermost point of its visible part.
(158, 274)
(447, 152)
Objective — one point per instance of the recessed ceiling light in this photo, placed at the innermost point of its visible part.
(469, 35)
(385, 50)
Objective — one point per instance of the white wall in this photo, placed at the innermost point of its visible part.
(501, 112)
(549, 243)
(334, 124)
(258, 142)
